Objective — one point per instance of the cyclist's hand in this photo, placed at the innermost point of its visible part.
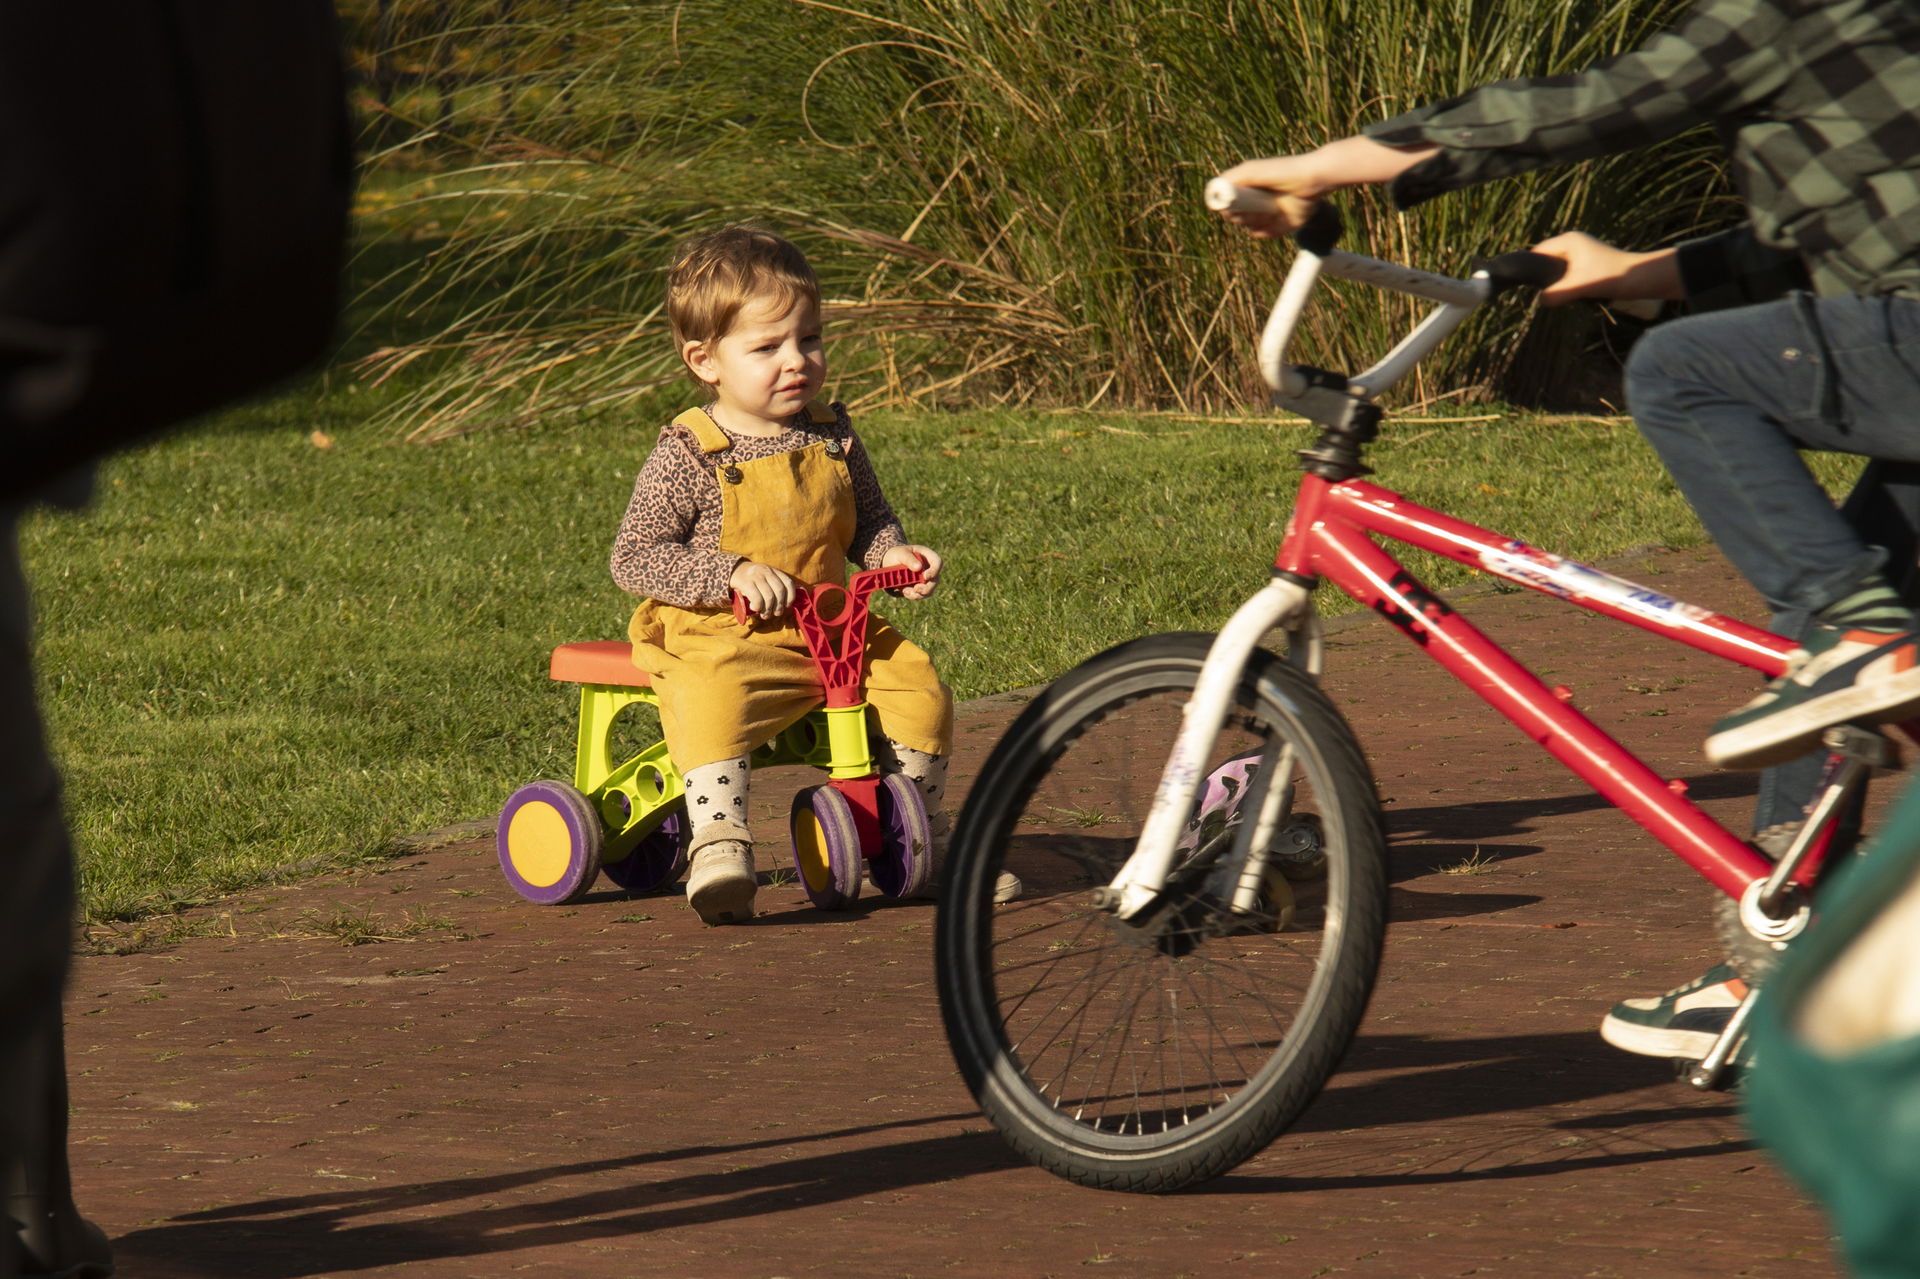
(1600, 271)
(1292, 180)
(1300, 180)
(767, 591)
(924, 558)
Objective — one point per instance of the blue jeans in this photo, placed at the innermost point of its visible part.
(1884, 507)
(1730, 397)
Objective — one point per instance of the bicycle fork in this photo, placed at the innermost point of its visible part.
(1280, 603)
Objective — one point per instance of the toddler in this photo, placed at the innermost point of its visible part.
(763, 491)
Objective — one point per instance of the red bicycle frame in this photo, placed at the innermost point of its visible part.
(1327, 537)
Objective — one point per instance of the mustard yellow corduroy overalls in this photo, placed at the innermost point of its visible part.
(725, 688)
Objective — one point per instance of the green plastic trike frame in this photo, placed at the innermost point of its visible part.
(629, 818)
(633, 797)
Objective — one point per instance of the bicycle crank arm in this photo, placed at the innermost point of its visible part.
(1145, 873)
(1709, 1070)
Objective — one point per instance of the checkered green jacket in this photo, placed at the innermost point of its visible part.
(1817, 105)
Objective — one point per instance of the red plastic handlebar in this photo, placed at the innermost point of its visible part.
(833, 619)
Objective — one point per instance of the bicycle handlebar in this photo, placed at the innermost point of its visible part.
(830, 600)
(1522, 269)
(1223, 196)
(1457, 298)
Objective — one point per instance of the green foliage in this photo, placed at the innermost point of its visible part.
(1002, 198)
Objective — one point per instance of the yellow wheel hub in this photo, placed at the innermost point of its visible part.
(810, 842)
(540, 844)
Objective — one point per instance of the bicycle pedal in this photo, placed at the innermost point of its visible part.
(1861, 742)
(1731, 1077)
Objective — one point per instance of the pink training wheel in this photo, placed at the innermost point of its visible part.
(826, 847)
(905, 859)
(550, 840)
(656, 861)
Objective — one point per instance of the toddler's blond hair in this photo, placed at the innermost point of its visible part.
(715, 276)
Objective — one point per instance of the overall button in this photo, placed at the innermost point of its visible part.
(730, 473)
(834, 449)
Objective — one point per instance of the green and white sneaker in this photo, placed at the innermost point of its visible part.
(1683, 1023)
(1835, 677)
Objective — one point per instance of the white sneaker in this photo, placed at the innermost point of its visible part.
(721, 885)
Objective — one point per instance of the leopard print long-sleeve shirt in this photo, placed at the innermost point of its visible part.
(668, 546)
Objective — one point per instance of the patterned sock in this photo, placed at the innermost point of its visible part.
(717, 792)
(1872, 606)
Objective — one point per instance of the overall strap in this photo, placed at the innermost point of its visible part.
(820, 414)
(712, 439)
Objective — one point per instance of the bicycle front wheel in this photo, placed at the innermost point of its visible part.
(1152, 1053)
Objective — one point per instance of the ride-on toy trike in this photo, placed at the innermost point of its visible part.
(629, 818)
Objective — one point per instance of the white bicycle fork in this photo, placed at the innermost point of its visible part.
(1282, 604)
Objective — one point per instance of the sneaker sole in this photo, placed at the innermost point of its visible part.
(729, 902)
(1649, 1041)
(1789, 734)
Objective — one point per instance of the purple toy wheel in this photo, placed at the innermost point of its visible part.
(549, 840)
(655, 861)
(905, 859)
(826, 847)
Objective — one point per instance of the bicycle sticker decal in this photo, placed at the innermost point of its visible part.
(1421, 606)
(1570, 579)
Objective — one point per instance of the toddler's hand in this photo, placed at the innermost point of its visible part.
(767, 591)
(924, 558)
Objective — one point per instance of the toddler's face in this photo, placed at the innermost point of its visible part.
(770, 363)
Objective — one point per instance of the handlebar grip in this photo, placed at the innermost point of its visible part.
(1521, 269)
(1319, 235)
(1223, 196)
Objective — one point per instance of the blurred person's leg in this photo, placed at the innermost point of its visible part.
(43, 1232)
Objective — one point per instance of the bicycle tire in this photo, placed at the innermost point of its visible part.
(1102, 730)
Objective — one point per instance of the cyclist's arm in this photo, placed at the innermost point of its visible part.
(1596, 269)
(1300, 180)
(1721, 62)
(1729, 268)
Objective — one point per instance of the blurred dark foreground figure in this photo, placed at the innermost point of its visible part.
(1835, 1085)
(174, 186)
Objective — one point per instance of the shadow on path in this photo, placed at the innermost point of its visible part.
(1438, 1080)
(317, 1234)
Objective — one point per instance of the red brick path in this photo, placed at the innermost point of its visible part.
(610, 1089)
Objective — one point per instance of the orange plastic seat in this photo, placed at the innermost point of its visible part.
(598, 662)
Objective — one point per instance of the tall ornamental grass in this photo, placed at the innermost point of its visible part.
(1003, 198)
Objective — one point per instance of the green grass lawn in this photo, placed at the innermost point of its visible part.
(260, 655)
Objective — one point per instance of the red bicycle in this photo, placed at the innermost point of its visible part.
(1201, 927)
